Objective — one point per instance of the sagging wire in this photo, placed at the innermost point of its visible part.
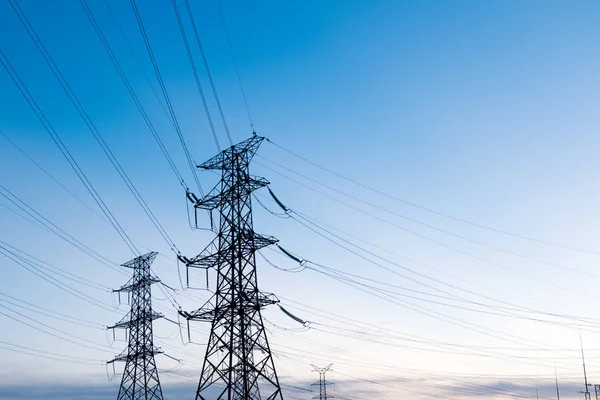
(187, 286)
(294, 270)
(306, 325)
(174, 369)
(192, 198)
(168, 337)
(278, 215)
(171, 298)
(183, 342)
(172, 358)
(110, 377)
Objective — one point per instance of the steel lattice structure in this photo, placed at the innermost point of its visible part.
(140, 378)
(238, 364)
(323, 383)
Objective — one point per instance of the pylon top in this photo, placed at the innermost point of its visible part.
(147, 258)
(245, 148)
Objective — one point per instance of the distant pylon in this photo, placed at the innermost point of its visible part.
(556, 381)
(140, 378)
(238, 364)
(587, 395)
(323, 383)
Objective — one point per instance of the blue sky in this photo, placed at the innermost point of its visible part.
(481, 111)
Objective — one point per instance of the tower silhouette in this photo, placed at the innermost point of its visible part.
(140, 378)
(238, 364)
(323, 383)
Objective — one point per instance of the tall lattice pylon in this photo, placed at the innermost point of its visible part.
(140, 378)
(323, 382)
(238, 363)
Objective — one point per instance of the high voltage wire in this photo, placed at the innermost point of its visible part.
(56, 230)
(54, 313)
(47, 355)
(125, 80)
(137, 60)
(436, 348)
(65, 152)
(395, 334)
(51, 313)
(79, 107)
(445, 231)
(288, 214)
(292, 213)
(68, 237)
(62, 186)
(65, 236)
(46, 224)
(376, 365)
(89, 123)
(66, 335)
(235, 64)
(360, 361)
(346, 277)
(454, 321)
(513, 307)
(208, 73)
(47, 173)
(347, 321)
(516, 308)
(195, 71)
(53, 281)
(494, 355)
(187, 151)
(52, 268)
(361, 365)
(163, 87)
(424, 237)
(432, 211)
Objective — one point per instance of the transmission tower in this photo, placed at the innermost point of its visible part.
(238, 364)
(587, 395)
(140, 378)
(323, 383)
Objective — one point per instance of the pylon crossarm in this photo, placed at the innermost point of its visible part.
(129, 287)
(223, 160)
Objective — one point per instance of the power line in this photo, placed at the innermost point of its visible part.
(424, 237)
(427, 225)
(47, 173)
(89, 123)
(86, 343)
(52, 268)
(53, 228)
(432, 211)
(52, 313)
(128, 86)
(289, 213)
(208, 73)
(195, 71)
(163, 87)
(235, 64)
(347, 277)
(53, 281)
(47, 355)
(65, 152)
(395, 334)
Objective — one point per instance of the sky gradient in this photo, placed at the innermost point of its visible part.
(471, 128)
